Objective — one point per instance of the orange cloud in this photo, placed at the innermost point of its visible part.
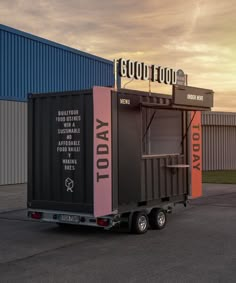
(196, 36)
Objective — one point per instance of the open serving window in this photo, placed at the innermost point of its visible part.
(162, 131)
(164, 119)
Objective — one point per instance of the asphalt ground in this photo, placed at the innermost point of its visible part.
(197, 245)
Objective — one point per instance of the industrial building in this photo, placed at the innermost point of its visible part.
(218, 141)
(30, 64)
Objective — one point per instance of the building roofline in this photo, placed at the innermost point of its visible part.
(52, 43)
(219, 112)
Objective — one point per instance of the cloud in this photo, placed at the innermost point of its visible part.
(196, 35)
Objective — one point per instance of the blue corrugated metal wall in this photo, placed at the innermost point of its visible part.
(32, 64)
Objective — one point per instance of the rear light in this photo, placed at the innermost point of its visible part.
(103, 222)
(36, 215)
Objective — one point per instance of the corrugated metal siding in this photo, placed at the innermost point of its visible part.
(13, 142)
(31, 64)
(218, 119)
(219, 140)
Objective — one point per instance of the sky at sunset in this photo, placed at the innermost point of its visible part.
(198, 36)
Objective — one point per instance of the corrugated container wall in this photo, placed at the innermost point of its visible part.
(29, 64)
(219, 140)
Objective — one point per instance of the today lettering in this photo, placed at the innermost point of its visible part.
(196, 147)
(102, 150)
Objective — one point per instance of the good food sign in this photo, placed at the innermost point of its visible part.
(141, 71)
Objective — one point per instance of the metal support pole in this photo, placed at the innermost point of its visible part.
(149, 80)
(115, 73)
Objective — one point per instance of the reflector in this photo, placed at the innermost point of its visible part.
(103, 222)
(36, 215)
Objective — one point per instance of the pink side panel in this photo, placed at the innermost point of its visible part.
(196, 154)
(102, 151)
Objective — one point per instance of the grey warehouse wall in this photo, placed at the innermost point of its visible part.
(13, 142)
(219, 140)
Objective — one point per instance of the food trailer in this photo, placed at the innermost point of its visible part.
(102, 157)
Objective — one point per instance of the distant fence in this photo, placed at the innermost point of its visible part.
(219, 140)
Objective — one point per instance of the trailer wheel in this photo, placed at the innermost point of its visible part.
(139, 223)
(157, 218)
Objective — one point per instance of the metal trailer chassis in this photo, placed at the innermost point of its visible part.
(138, 220)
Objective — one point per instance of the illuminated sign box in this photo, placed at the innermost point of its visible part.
(141, 71)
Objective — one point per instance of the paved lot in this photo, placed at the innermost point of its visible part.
(198, 245)
(12, 197)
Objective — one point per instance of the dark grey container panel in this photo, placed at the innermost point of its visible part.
(159, 181)
(129, 149)
(143, 176)
(61, 152)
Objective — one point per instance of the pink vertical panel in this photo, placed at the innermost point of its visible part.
(196, 154)
(102, 151)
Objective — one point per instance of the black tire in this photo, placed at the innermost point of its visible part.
(157, 218)
(139, 223)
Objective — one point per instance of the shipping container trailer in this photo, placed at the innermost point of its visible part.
(103, 157)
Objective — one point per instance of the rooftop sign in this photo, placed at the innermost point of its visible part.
(141, 71)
